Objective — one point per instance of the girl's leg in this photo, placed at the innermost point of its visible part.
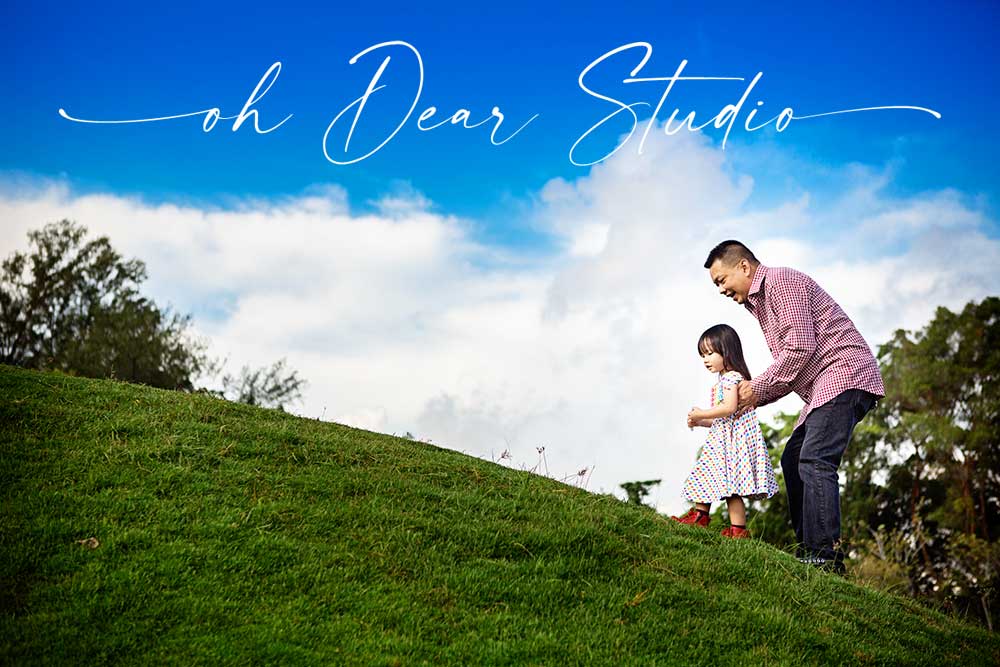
(696, 515)
(737, 511)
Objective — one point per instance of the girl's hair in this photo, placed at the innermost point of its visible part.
(723, 339)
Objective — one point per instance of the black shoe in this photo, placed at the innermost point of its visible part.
(826, 564)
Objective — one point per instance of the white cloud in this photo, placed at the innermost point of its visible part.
(402, 321)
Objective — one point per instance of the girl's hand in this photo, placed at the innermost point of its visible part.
(694, 416)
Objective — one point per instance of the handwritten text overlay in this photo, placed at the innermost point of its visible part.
(425, 122)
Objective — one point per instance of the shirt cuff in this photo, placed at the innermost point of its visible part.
(767, 391)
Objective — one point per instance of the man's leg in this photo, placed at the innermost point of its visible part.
(793, 483)
(827, 434)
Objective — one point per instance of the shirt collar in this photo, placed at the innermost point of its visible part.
(758, 279)
(755, 285)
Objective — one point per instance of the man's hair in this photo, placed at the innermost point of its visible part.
(730, 252)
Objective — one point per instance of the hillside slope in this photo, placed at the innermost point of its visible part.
(230, 534)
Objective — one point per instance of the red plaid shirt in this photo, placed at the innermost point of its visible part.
(818, 353)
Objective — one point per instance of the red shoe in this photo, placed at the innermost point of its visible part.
(694, 517)
(735, 533)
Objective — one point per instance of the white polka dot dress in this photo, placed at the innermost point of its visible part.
(734, 459)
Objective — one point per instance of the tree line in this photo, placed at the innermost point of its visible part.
(72, 303)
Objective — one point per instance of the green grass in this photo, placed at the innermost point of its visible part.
(235, 535)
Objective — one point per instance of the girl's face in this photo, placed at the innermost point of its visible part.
(713, 361)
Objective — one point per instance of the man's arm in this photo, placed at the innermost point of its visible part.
(797, 328)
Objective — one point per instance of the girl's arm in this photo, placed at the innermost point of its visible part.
(724, 409)
(692, 422)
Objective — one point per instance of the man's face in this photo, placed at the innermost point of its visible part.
(732, 281)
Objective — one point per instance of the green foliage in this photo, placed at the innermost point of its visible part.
(73, 304)
(637, 491)
(226, 534)
(941, 419)
(272, 386)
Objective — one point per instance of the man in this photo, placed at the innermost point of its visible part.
(819, 354)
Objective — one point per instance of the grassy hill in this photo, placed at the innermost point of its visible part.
(229, 534)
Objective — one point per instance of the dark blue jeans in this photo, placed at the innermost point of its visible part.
(809, 463)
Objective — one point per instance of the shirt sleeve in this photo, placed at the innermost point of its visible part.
(796, 329)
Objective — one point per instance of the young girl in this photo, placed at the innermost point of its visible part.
(734, 461)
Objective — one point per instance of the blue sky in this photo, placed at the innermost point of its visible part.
(132, 60)
(498, 297)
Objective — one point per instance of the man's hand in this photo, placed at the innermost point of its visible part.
(746, 400)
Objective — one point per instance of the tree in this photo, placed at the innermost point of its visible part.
(73, 304)
(268, 386)
(941, 420)
(637, 491)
